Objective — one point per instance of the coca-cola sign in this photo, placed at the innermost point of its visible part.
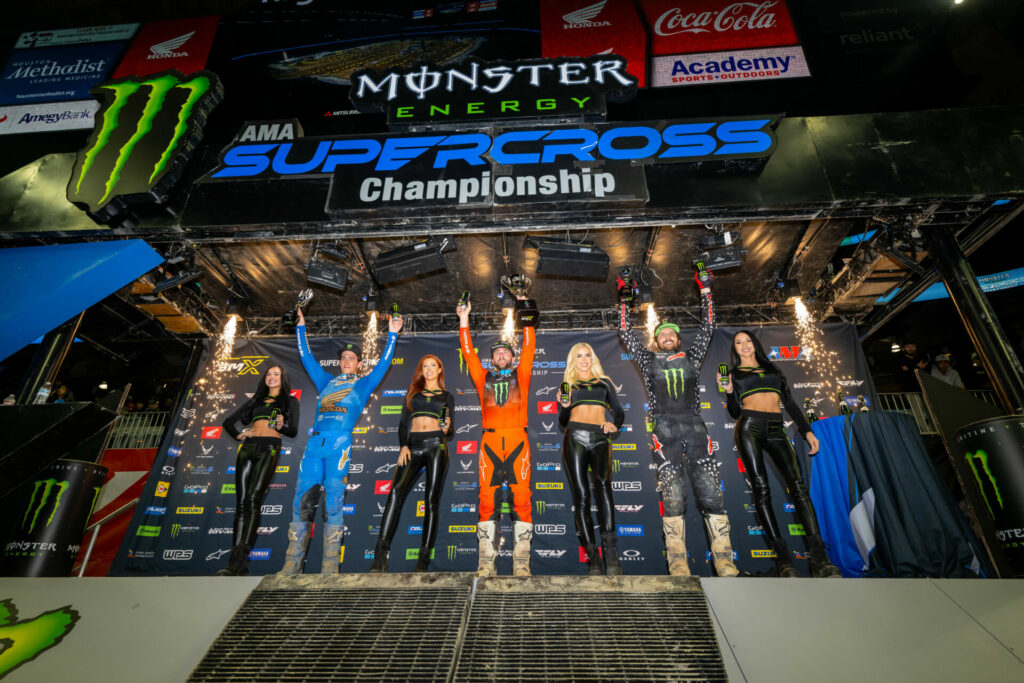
(679, 27)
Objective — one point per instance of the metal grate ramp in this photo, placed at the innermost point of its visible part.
(590, 629)
(342, 628)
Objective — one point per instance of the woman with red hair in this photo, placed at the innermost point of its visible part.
(425, 426)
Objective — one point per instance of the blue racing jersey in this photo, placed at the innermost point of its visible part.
(341, 398)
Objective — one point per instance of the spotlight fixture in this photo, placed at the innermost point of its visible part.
(412, 260)
(103, 385)
(720, 259)
(789, 289)
(372, 300)
(569, 259)
(179, 279)
(717, 239)
(238, 308)
(324, 272)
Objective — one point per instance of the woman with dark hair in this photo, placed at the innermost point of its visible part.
(271, 412)
(586, 403)
(425, 425)
(755, 391)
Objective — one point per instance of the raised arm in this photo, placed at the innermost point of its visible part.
(317, 374)
(367, 384)
(641, 355)
(699, 348)
(525, 369)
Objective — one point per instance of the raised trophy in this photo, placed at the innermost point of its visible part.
(526, 309)
(290, 319)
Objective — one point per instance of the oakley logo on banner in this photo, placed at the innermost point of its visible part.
(142, 128)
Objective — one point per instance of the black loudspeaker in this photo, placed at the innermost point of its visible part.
(411, 260)
(327, 274)
(572, 260)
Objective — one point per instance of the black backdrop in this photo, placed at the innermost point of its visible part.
(183, 522)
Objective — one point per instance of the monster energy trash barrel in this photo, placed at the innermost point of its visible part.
(993, 452)
(52, 519)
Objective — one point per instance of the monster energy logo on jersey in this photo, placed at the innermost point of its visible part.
(675, 381)
(981, 458)
(43, 488)
(500, 387)
(145, 129)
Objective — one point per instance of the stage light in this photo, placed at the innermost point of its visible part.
(720, 259)
(790, 290)
(103, 385)
(237, 308)
(179, 279)
(326, 273)
(411, 260)
(372, 301)
(569, 259)
(719, 239)
(895, 348)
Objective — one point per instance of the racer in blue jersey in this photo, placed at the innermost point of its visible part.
(325, 462)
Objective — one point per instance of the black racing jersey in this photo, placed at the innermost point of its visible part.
(747, 381)
(599, 392)
(425, 404)
(267, 409)
(671, 379)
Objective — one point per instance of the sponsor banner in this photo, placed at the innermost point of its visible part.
(76, 36)
(729, 67)
(713, 25)
(41, 118)
(181, 44)
(56, 74)
(574, 28)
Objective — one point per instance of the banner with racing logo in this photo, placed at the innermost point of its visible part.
(183, 523)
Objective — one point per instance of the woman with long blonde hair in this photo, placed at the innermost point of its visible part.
(587, 400)
(423, 430)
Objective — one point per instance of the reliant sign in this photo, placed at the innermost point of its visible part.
(488, 91)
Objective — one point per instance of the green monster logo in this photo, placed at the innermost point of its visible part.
(46, 485)
(26, 639)
(981, 458)
(539, 506)
(143, 125)
(675, 382)
(451, 553)
(616, 465)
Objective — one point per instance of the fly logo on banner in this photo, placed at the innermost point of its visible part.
(716, 41)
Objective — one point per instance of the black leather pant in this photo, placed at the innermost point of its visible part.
(429, 450)
(681, 448)
(254, 468)
(586, 446)
(758, 433)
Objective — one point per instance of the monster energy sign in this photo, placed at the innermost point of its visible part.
(50, 523)
(675, 382)
(990, 461)
(146, 130)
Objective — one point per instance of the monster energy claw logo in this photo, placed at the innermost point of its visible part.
(43, 488)
(143, 124)
(26, 639)
(451, 553)
(675, 381)
(981, 458)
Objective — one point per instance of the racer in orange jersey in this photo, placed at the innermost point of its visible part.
(504, 447)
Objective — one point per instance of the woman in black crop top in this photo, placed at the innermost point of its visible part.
(584, 415)
(271, 412)
(425, 426)
(754, 393)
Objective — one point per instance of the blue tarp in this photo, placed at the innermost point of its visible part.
(45, 286)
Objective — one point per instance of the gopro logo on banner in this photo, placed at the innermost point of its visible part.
(630, 530)
(178, 554)
(463, 507)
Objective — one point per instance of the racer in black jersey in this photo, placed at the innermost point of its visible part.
(679, 438)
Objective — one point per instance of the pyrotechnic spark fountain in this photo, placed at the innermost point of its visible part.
(652, 323)
(370, 335)
(823, 363)
(508, 331)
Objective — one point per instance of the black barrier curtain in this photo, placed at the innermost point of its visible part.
(183, 522)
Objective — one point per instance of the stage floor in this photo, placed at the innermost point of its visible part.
(158, 629)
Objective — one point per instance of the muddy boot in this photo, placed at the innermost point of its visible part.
(298, 543)
(332, 548)
(611, 556)
(238, 564)
(783, 560)
(675, 545)
(523, 533)
(380, 560)
(486, 534)
(594, 566)
(721, 546)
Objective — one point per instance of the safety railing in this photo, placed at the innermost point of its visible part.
(95, 529)
(139, 430)
(913, 404)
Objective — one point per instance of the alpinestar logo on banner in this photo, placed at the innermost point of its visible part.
(144, 128)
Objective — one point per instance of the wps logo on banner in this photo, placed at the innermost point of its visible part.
(181, 44)
(145, 128)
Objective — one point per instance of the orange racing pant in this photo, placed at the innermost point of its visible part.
(505, 459)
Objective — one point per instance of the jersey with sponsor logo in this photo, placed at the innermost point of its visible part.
(341, 398)
(595, 392)
(503, 396)
(425, 404)
(747, 381)
(671, 379)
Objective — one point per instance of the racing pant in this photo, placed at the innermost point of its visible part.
(254, 468)
(680, 443)
(505, 458)
(324, 463)
(586, 446)
(427, 450)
